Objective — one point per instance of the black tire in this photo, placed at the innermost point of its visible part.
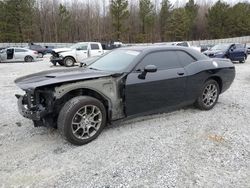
(72, 112)
(203, 102)
(40, 55)
(61, 63)
(28, 59)
(244, 60)
(69, 61)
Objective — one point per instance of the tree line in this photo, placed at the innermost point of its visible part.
(123, 20)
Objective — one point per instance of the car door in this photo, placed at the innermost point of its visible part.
(3, 55)
(96, 49)
(162, 89)
(82, 52)
(19, 54)
(236, 52)
(10, 54)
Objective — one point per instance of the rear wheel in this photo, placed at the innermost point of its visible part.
(209, 95)
(28, 59)
(244, 60)
(81, 120)
(69, 61)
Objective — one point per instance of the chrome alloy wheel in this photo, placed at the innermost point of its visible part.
(210, 95)
(86, 122)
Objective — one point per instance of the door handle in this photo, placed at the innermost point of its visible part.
(180, 73)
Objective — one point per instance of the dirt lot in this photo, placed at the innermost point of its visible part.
(185, 148)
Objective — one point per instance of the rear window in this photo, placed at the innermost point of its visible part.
(185, 58)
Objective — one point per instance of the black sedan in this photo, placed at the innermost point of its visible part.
(124, 83)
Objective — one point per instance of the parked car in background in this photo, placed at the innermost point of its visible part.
(124, 83)
(49, 49)
(88, 61)
(111, 45)
(185, 44)
(41, 50)
(205, 47)
(248, 49)
(14, 54)
(232, 51)
(76, 53)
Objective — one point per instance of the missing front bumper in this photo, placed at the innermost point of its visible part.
(36, 114)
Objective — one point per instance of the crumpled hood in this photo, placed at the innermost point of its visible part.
(213, 52)
(58, 50)
(46, 78)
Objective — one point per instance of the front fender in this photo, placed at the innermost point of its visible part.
(68, 54)
(106, 87)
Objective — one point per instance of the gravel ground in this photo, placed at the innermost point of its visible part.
(185, 148)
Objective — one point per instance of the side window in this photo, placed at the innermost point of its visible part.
(82, 47)
(239, 46)
(20, 50)
(94, 46)
(185, 58)
(162, 60)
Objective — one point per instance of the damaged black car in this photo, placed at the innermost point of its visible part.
(125, 83)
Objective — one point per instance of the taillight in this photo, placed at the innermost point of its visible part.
(35, 52)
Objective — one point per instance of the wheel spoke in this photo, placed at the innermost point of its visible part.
(86, 122)
(210, 95)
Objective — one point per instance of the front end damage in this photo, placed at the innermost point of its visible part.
(43, 104)
(37, 106)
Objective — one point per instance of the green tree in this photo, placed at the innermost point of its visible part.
(2, 22)
(17, 21)
(64, 22)
(192, 11)
(119, 12)
(238, 19)
(179, 25)
(218, 20)
(146, 13)
(165, 14)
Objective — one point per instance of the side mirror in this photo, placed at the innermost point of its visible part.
(147, 69)
(150, 68)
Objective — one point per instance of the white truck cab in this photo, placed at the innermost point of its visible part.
(76, 53)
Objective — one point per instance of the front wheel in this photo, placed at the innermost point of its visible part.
(69, 61)
(82, 119)
(209, 95)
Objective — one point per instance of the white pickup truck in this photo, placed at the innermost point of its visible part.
(76, 53)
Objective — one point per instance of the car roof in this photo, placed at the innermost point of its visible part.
(153, 48)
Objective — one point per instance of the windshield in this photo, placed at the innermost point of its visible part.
(221, 47)
(81, 46)
(115, 61)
